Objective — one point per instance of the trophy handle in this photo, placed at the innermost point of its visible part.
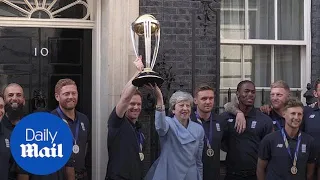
(133, 42)
(156, 48)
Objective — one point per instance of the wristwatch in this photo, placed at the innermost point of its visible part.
(160, 108)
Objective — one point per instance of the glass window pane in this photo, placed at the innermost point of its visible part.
(257, 64)
(261, 19)
(233, 3)
(224, 98)
(232, 19)
(290, 19)
(262, 98)
(230, 65)
(287, 65)
(296, 94)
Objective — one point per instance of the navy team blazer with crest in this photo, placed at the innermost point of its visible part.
(211, 165)
(273, 149)
(242, 149)
(5, 153)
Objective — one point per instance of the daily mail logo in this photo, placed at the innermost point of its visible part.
(32, 150)
(40, 139)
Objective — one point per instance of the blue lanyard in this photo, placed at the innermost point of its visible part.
(277, 123)
(295, 158)
(140, 140)
(75, 137)
(208, 140)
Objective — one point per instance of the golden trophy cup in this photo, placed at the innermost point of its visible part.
(146, 26)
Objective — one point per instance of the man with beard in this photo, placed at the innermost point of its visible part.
(125, 140)
(279, 95)
(288, 154)
(14, 102)
(213, 128)
(66, 94)
(242, 149)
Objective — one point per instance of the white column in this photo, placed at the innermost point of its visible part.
(98, 144)
(112, 68)
(118, 48)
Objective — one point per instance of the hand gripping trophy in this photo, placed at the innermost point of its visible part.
(146, 26)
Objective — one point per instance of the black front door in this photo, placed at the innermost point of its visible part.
(37, 58)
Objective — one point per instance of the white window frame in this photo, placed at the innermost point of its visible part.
(305, 50)
(49, 23)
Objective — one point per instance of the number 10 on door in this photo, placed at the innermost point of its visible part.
(43, 51)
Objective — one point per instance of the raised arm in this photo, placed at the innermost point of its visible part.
(162, 126)
(128, 91)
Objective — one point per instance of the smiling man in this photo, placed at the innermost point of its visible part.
(66, 94)
(279, 95)
(289, 153)
(14, 101)
(125, 140)
(242, 149)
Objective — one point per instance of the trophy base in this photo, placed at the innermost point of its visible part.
(146, 77)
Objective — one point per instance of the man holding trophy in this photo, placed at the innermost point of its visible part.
(125, 140)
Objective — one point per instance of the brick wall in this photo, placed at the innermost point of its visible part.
(187, 56)
(315, 42)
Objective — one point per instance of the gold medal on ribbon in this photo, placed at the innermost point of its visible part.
(141, 155)
(210, 152)
(294, 170)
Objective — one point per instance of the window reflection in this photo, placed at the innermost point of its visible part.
(287, 65)
(230, 65)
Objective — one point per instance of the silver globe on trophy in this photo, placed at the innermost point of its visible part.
(146, 26)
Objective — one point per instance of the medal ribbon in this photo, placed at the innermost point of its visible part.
(75, 137)
(208, 140)
(140, 140)
(277, 123)
(295, 159)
